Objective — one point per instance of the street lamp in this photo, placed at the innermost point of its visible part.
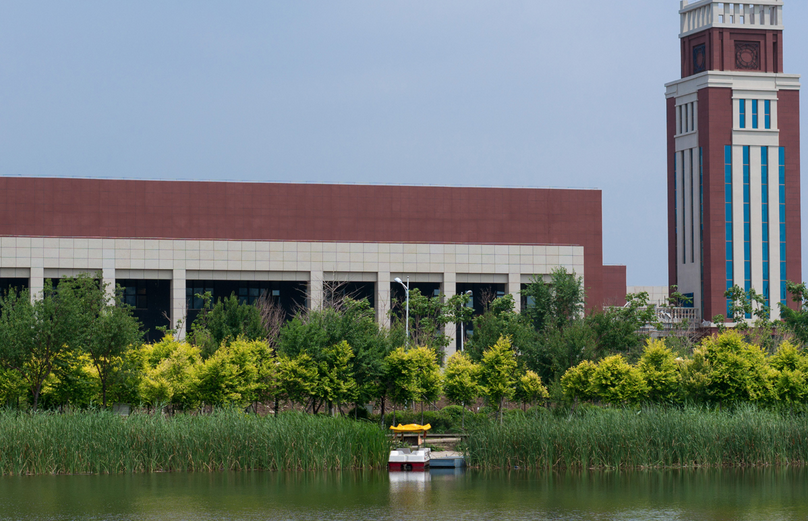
(463, 326)
(407, 316)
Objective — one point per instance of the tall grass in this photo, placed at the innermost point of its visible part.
(103, 442)
(651, 438)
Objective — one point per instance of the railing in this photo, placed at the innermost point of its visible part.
(671, 318)
(703, 14)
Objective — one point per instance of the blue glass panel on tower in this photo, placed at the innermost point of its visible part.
(768, 117)
(743, 113)
(754, 113)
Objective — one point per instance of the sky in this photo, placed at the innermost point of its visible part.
(513, 93)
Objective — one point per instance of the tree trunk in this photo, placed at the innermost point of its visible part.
(501, 400)
(382, 407)
(276, 405)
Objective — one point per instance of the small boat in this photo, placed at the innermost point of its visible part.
(408, 459)
(411, 431)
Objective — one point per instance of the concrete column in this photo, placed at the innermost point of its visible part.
(108, 269)
(36, 282)
(178, 310)
(316, 290)
(515, 289)
(449, 289)
(383, 299)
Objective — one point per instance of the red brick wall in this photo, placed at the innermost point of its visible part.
(614, 285)
(715, 132)
(789, 122)
(295, 212)
(720, 49)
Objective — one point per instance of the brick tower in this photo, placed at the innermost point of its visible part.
(733, 156)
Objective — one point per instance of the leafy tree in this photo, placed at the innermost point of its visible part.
(796, 320)
(427, 375)
(223, 323)
(35, 334)
(461, 381)
(617, 327)
(429, 317)
(233, 374)
(296, 378)
(745, 304)
(789, 374)
(726, 369)
(556, 350)
(615, 381)
(577, 381)
(401, 377)
(313, 332)
(556, 304)
(112, 332)
(335, 383)
(497, 374)
(170, 373)
(73, 382)
(498, 320)
(660, 371)
(529, 389)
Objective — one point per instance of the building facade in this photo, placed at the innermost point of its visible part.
(165, 242)
(733, 156)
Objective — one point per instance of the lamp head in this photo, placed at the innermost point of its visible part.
(398, 280)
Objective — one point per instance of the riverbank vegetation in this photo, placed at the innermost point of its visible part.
(653, 437)
(103, 442)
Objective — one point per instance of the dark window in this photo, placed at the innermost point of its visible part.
(699, 59)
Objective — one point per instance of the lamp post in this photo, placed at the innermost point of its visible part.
(407, 312)
(463, 326)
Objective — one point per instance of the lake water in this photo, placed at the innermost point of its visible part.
(771, 494)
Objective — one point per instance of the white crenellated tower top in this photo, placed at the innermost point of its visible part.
(704, 14)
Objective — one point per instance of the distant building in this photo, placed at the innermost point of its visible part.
(167, 241)
(733, 156)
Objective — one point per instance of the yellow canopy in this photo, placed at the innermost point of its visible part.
(412, 427)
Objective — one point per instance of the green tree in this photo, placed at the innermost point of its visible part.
(500, 320)
(112, 332)
(224, 322)
(427, 375)
(555, 304)
(34, 334)
(615, 381)
(726, 369)
(618, 328)
(461, 381)
(559, 349)
(789, 374)
(497, 374)
(401, 378)
(577, 381)
(660, 371)
(313, 332)
(796, 320)
(233, 374)
(296, 378)
(529, 389)
(170, 373)
(335, 384)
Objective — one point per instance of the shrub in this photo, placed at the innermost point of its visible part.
(615, 381)
(660, 371)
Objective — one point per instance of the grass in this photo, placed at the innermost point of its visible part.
(103, 442)
(597, 438)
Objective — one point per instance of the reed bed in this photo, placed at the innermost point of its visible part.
(650, 438)
(103, 442)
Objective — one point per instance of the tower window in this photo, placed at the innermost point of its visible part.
(754, 113)
(767, 116)
(742, 122)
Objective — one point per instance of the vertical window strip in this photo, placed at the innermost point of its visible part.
(701, 223)
(684, 212)
(754, 113)
(692, 209)
(767, 107)
(782, 193)
(743, 113)
(747, 228)
(764, 199)
(728, 218)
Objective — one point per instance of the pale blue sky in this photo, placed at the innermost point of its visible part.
(450, 92)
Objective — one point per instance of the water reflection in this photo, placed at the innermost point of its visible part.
(441, 493)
